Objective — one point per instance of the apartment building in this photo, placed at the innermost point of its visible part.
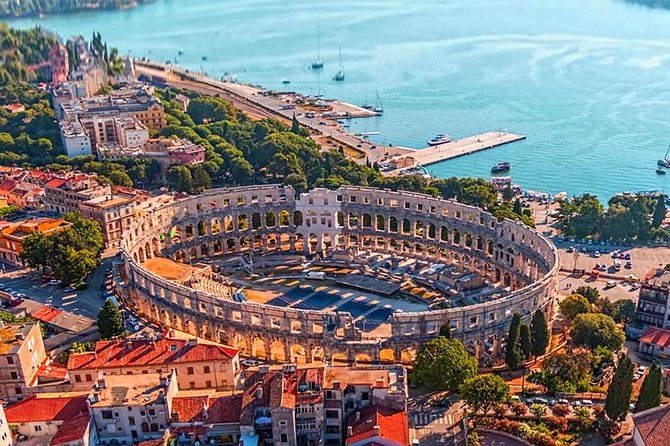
(653, 307)
(64, 193)
(127, 409)
(198, 365)
(114, 213)
(14, 235)
(22, 353)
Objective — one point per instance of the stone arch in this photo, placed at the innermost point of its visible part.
(380, 223)
(353, 220)
(339, 357)
(387, 355)
(479, 245)
(456, 237)
(297, 218)
(192, 253)
(270, 219)
(418, 228)
(298, 354)
(363, 358)
(217, 248)
(444, 234)
(257, 244)
(256, 221)
(216, 226)
(175, 234)
(284, 218)
(278, 351)
(228, 223)
(312, 244)
(468, 240)
(317, 353)
(244, 243)
(393, 225)
(431, 232)
(258, 348)
(204, 250)
(367, 221)
(230, 245)
(284, 242)
(407, 355)
(188, 231)
(202, 228)
(240, 343)
(242, 222)
(406, 226)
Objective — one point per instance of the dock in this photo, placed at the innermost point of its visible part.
(455, 149)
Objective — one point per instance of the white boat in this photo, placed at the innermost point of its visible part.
(439, 139)
(318, 63)
(339, 76)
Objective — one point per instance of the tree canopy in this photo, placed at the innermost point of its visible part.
(110, 320)
(651, 391)
(539, 333)
(443, 364)
(620, 390)
(594, 329)
(483, 392)
(512, 350)
(574, 305)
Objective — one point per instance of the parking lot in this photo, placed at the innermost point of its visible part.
(85, 302)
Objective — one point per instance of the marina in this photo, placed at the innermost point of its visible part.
(455, 149)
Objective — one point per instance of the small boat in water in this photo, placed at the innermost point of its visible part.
(318, 63)
(660, 171)
(339, 76)
(501, 167)
(665, 161)
(285, 81)
(439, 139)
(204, 58)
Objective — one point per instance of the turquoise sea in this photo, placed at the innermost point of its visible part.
(588, 81)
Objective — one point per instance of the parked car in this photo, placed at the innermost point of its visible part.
(627, 256)
(54, 282)
(69, 289)
(610, 284)
(250, 363)
(587, 403)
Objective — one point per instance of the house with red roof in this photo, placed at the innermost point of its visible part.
(42, 414)
(651, 428)
(5, 434)
(199, 365)
(655, 342)
(76, 431)
(378, 425)
(203, 415)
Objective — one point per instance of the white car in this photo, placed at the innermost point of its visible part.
(610, 284)
(250, 363)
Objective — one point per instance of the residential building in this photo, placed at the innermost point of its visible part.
(165, 151)
(206, 415)
(49, 416)
(655, 342)
(20, 193)
(13, 236)
(60, 65)
(21, 355)
(64, 193)
(650, 428)
(347, 390)
(114, 214)
(14, 108)
(378, 425)
(127, 409)
(198, 365)
(130, 132)
(5, 434)
(76, 140)
(653, 306)
(183, 101)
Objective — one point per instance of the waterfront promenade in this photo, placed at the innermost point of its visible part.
(259, 103)
(459, 147)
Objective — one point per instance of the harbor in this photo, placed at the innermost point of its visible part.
(452, 149)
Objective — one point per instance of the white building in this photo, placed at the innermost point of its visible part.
(75, 138)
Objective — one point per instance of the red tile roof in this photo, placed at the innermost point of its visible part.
(392, 424)
(139, 352)
(225, 409)
(656, 336)
(654, 425)
(45, 408)
(46, 313)
(55, 183)
(71, 430)
(8, 185)
(51, 372)
(190, 409)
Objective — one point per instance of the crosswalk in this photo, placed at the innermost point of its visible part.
(421, 419)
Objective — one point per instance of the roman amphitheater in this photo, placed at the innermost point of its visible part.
(353, 275)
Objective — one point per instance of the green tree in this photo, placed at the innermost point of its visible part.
(204, 109)
(483, 392)
(620, 389)
(517, 207)
(525, 342)
(590, 293)
(624, 311)
(507, 194)
(659, 212)
(539, 333)
(443, 364)
(180, 178)
(594, 329)
(650, 393)
(512, 354)
(295, 125)
(538, 410)
(574, 305)
(110, 320)
(120, 178)
(37, 250)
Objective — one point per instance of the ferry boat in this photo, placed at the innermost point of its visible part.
(661, 171)
(439, 139)
(501, 167)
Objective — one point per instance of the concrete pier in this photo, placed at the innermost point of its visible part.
(459, 147)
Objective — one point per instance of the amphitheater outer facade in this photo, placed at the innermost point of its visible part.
(414, 225)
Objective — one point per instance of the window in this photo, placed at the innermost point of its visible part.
(332, 413)
(332, 429)
(365, 396)
(15, 375)
(131, 421)
(89, 377)
(206, 369)
(208, 383)
(152, 412)
(107, 415)
(38, 428)
(284, 438)
(282, 423)
(10, 360)
(189, 370)
(18, 390)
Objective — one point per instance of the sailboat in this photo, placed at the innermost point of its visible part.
(379, 107)
(665, 162)
(366, 106)
(339, 77)
(318, 63)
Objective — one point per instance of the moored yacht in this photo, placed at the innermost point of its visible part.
(501, 167)
(439, 139)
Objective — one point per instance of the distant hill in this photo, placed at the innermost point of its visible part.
(23, 8)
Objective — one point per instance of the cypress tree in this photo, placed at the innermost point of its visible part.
(110, 320)
(619, 392)
(512, 354)
(525, 343)
(539, 334)
(650, 393)
(659, 212)
(517, 207)
(295, 125)
(445, 330)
